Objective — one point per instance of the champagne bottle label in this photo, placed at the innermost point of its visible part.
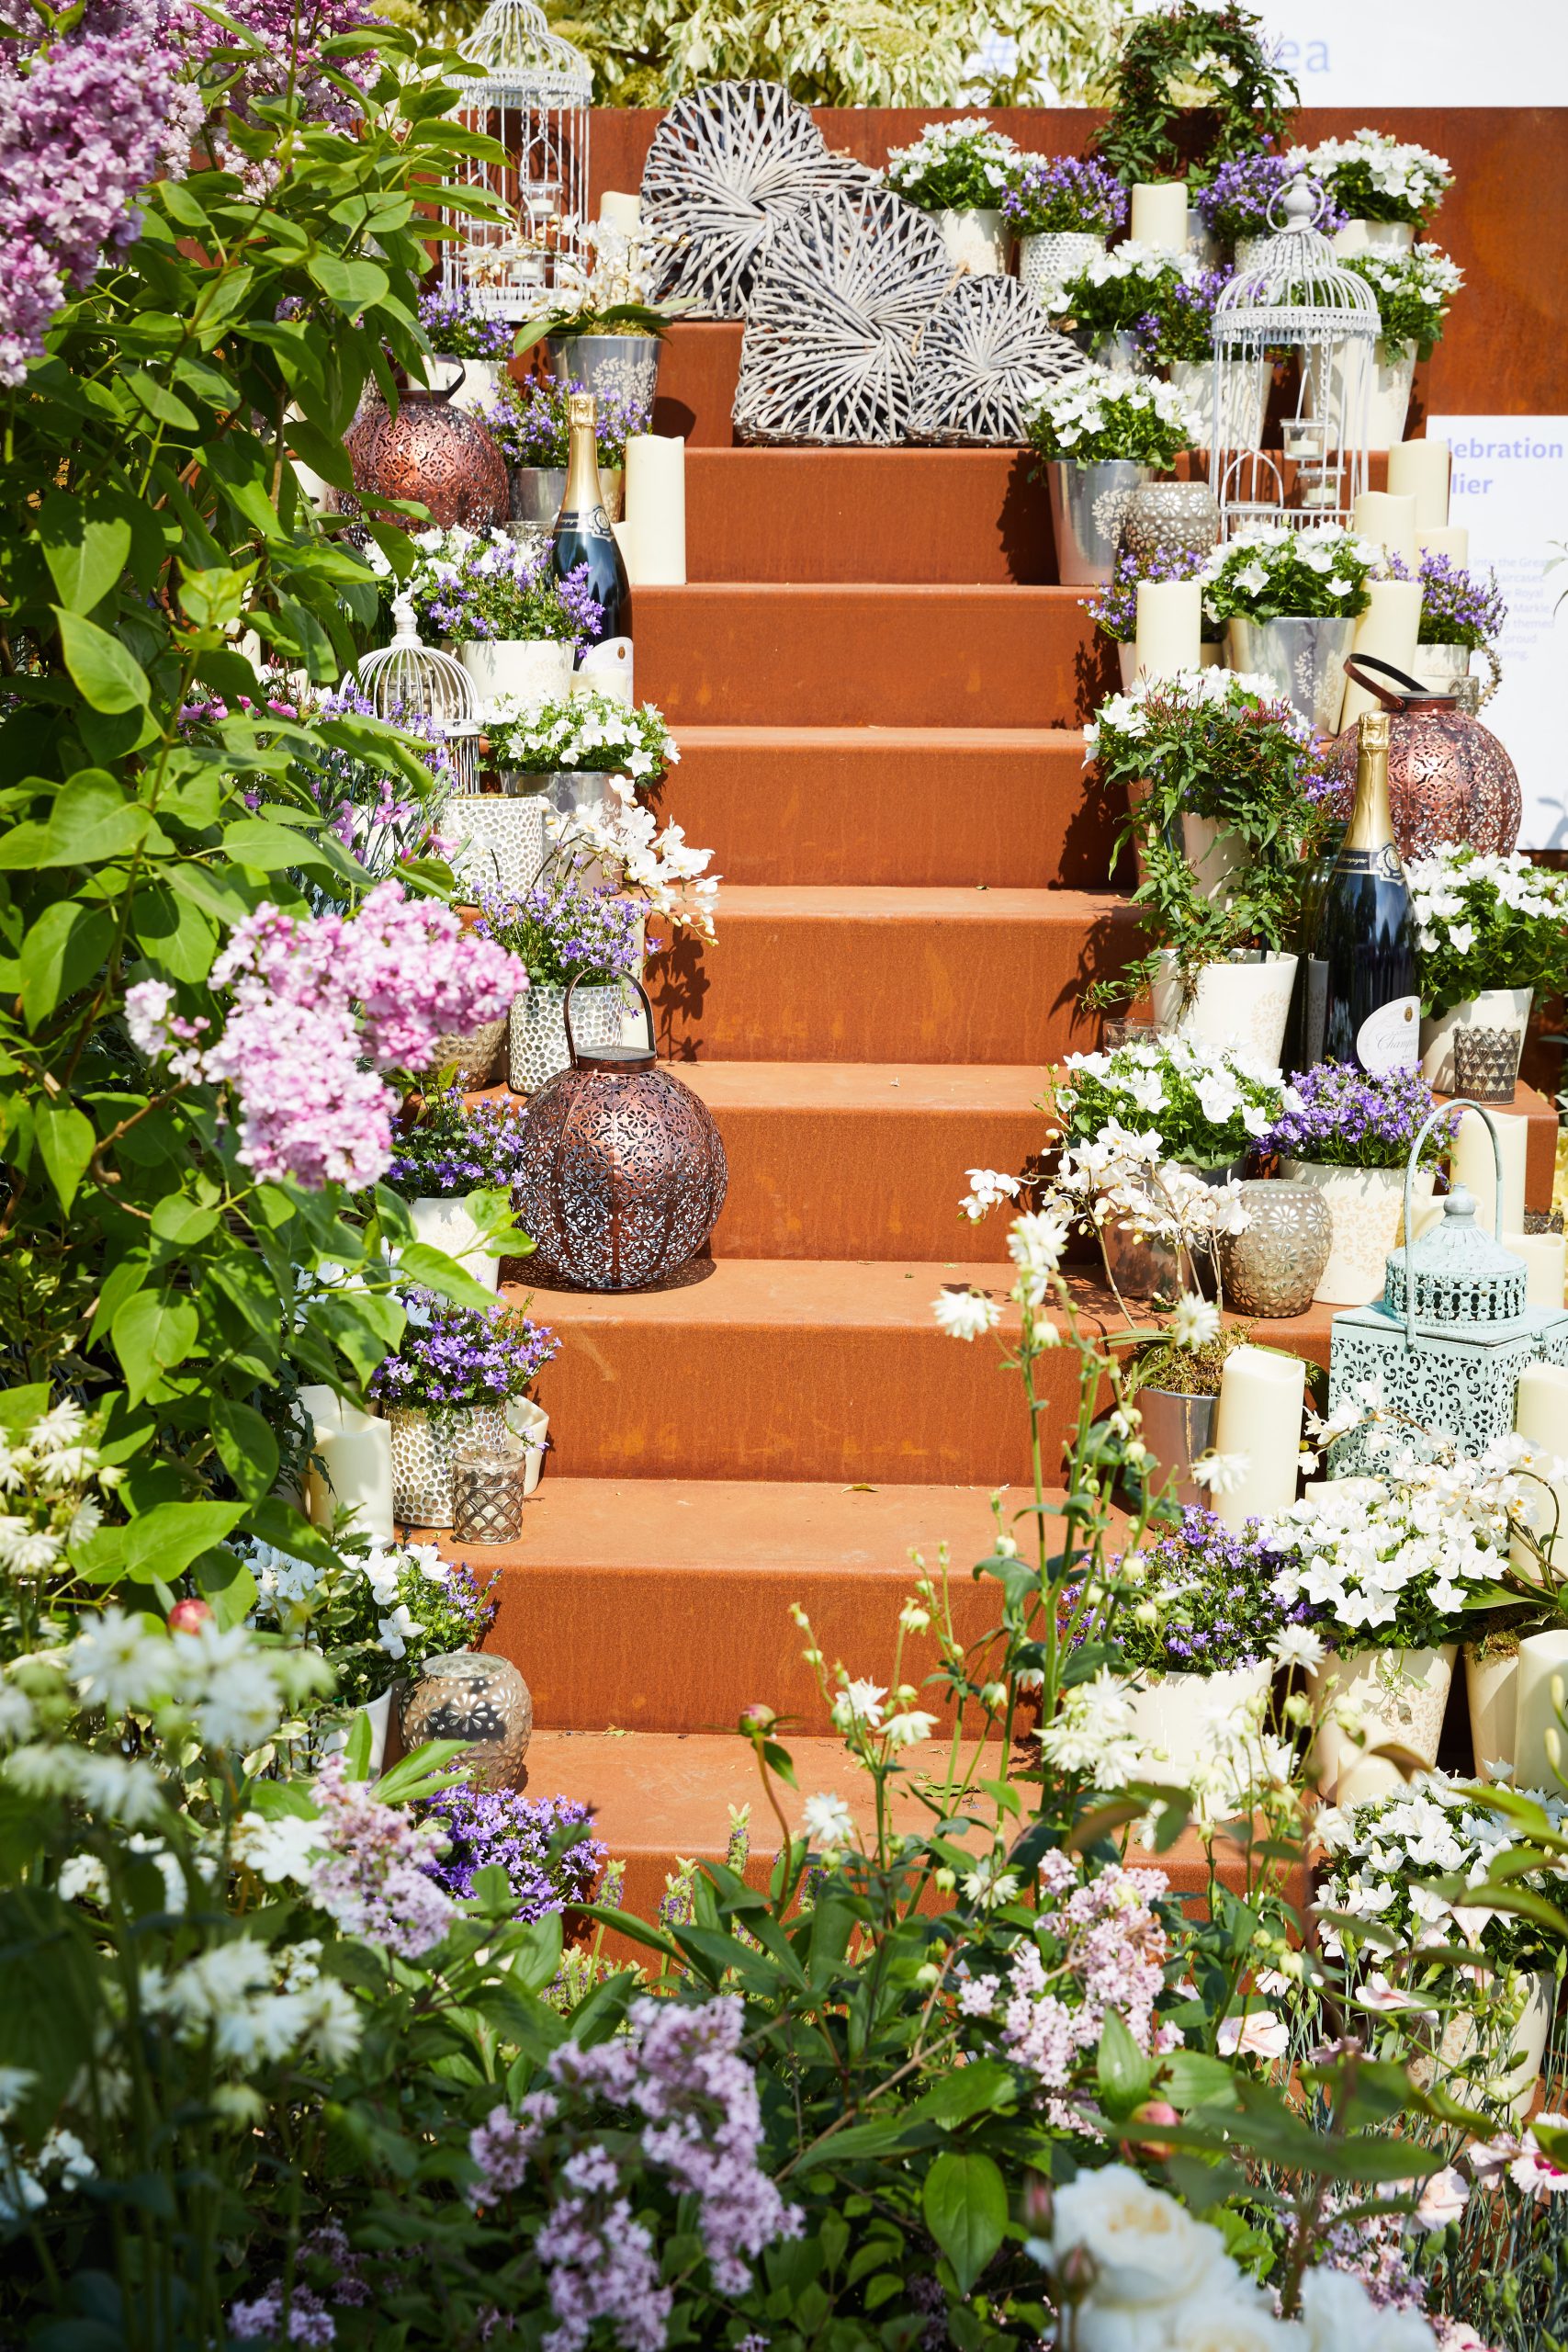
(1384, 862)
(1388, 1039)
(591, 521)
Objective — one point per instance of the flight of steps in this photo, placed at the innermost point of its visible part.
(878, 693)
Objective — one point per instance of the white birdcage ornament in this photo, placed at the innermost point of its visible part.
(532, 97)
(1453, 1330)
(407, 679)
(1294, 292)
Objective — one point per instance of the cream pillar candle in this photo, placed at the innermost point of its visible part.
(1544, 1661)
(1540, 1414)
(1546, 1266)
(1473, 1166)
(1261, 1395)
(1388, 628)
(619, 210)
(1389, 520)
(1452, 540)
(356, 1449)
(655, 547)
(1159, 215)
(1171, 628)
(1419, 469)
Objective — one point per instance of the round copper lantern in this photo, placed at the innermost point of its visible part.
(431, 451)
(621, 1173)
(1448, 777)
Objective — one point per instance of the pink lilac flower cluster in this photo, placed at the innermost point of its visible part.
(373, 1876)
(87, 121)
(309, 2321)
(285, 55)
(1110, 1953)
(313, 997)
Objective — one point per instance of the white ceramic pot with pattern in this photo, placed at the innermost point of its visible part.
(1510, 2050)
(1049, 257)
(1400, 1698)
(527, 670)
(1366, 1206)
(1173, 1716)
(538, 1049)
(976, 239)
(500, 839)
(1245, 1003)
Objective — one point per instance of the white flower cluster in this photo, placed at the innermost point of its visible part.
(1252, 562)
(1380, 1851)
(593, 731)
(1231, 690)
(619, 266)
(211, 1683)
(257, 2006)
(1036, 1243)
(969, 141)
(1101, 400)
(655, 863)
(1447, 919)
(1425, 270)
(60, 2160)
(1414, 177)
(1160, 2280)
(43, 1479)
(286, 1586)
(1226, 1081)
(1132, 259)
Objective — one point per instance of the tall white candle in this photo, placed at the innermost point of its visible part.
(1419, 469)
(1159, 215)
(1546, 1267)
(619, 210)
(356, 1449)
(1260, 1414)
(1390, 520)
(1540, 1414)
(655, 544)
(1388, 628)
(1473, 1166)
(1171, 627)
(1543, 1660)
(1452, 540)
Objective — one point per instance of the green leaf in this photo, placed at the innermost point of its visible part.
(226, 1584)
(153, 1332)
(67, 1139)
(1120, 2067)
(92, 820)
(166, 1540)
(356, 1751)
(85, 554)
(431, 1269)
(215, 598)
(422, 1769)
(64, 949)
(968, 2091)
(101, 669)
(246, 1447)
(20, 1408)
(965, 2200)
(352, 285)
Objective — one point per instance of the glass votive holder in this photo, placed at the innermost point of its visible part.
(486, 1496)
(1486, 1064)
(1127, 1029)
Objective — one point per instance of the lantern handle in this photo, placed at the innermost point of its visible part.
(1390, 696)
(1410, 1168)
(652, 1041)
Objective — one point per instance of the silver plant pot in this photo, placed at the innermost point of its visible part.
(1303, 661)
(537, 492)
(1176, 1430)
(624, 365)
(1089, 511)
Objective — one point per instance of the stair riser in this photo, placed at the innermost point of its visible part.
(791, 987)
(959, 657)
(774, 811)
(894, 514)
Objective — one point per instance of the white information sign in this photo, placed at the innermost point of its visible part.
(1421, 52)
(1509, 489)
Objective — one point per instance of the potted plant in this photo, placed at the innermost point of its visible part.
(1414, 290)
(1177, 333)
(461, 337)
(375, 1616)
(1460, 614)
(1174, 1380)
(1226, 801)
(1103, 301)
(1061, 209)
(1290, 600)
(1113, 608)
(1480, 2029)
(561, 934)
(516, 629)
(1102, 435)
(959, 172)
(566, 749)
(599, 325)
(529, 424)
(1351, 1136)
(1384, 187)
(1192, 85)
(453, 1164)
(1492, 930)
(1240, 205)
(452, 1382)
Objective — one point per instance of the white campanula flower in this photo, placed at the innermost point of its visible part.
(967, 1314)
(828, 1822)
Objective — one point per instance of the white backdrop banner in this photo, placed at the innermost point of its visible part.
(1422, 53)
(1509, 488)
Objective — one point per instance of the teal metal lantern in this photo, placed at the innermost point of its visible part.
(1451, 1332)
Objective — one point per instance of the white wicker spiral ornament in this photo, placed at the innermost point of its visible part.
(725, 167)
(532, 95)
(984, 359)
(831, 353)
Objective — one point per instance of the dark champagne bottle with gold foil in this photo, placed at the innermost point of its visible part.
(582, 534)
(1362, 992)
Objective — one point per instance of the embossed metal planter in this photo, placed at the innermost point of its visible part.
(424, 1447)
(625, 366)
(1448, 777)
(1088, 512)
(538, 1049)
(1302, 660)
(1176, 1430)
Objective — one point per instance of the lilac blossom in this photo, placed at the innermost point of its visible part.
(462, 1356)
(502, 1827)
(310, 2321)
(372, 1877)
(1338, 1115)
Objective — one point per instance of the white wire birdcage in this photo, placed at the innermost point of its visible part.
(409, 680)
(1293, 292)
(532, 98)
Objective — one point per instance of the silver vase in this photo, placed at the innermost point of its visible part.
(1303, 661)
(1089, 511)
(537, 492)
(1176, 1430)
(624, 365)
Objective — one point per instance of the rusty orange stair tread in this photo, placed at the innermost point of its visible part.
(913, 1089)
(938, 741)
(807, 1293)
(904, 902)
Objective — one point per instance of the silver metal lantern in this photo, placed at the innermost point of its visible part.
(1452, 1333)
(1292, 291)
(532, 96)
(408, 678)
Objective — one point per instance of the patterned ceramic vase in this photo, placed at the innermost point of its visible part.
(425, 1446)
(502, 840)
(1047, 261)
(1274, 1267)
(477, 1698)
(538, 1030)
(1401, 1697)
(1168, 518)
(1494, 1009)
(1366, 1206)
(475, 1059)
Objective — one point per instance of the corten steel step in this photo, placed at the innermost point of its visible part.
(663, 1605)
(884, 975)
(837, 654)
(864, 1159)
(1015, 808)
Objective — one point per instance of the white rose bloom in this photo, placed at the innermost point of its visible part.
(1149, 2252)
(1239, 2320)
(1339, 2315)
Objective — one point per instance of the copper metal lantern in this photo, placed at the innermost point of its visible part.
(430, 451)
(623, 1172)
(1448, 777)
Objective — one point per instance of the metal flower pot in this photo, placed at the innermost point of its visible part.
(1303, 661)
(624, 365)
(1089, 511)
(537, 492)
(1048, 259)
(1176, 1430)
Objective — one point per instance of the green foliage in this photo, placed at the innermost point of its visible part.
(1192, 89)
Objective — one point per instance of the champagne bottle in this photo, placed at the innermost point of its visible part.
(582, 535)
(1363, 1002)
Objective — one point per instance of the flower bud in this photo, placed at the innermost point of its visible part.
(944, 1880)
(1038, 2204)
(1155, 2110)
(1076, 2274)
(927, 1975)
(757, 1721)
(189, 1615)
(994, 1697)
